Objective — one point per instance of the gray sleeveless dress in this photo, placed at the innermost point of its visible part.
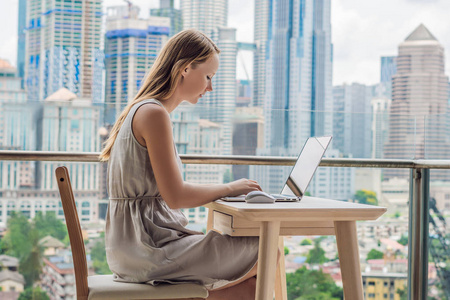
(148, 242)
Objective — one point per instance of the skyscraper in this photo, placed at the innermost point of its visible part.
(62, 44)
(210, 17)
(352, 120)
(418, 120)
(262, 18)
(298, 100)
(167, 9)
(204, 15)
(380, 125)
(131, 48)
(298, 92)
(21, 24)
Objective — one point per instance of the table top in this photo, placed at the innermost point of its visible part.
(309, 208)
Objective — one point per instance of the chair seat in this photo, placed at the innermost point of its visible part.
(102, 287)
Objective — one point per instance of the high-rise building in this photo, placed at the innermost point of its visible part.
(248, 135)
(63, 40)
(353, 120)
(167, 9)
(70, 124)
(17, 129)
(204, 15)
(131, 48)
(210, 17)
(387, 70)
(418, 120)
(298, 100)
(220, 104)
(380, 125)
(261, 25)
(21, 25)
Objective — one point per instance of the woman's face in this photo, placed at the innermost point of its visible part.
(197, 81)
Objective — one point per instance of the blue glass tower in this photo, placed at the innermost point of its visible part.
(21, 39)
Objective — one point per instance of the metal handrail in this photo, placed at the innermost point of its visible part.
(18, 155)
(418, 204)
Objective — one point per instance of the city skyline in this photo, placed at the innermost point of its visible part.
(375, 30)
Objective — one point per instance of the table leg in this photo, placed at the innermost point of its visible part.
(347, 243)
(267, 259)
(280, 281)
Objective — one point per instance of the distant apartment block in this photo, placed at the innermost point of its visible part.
(58, 277)
(383, 285)
(11, 281)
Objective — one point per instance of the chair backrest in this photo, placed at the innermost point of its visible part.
(74, 229)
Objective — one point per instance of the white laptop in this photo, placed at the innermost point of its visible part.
(301, 174)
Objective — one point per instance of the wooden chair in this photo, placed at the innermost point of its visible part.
(102, 287)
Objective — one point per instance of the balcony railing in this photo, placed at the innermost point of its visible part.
(418, 193)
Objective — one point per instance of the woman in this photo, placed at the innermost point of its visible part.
(146, 237)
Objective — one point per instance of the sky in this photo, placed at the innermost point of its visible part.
(362, 31)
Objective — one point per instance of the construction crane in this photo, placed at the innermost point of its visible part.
(130, 5)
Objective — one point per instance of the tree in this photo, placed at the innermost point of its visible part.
(49, 224)
(16, 241)
(307, 284)
(366, 197)
(98, 255)
(403, 293)
(33, 294)
(286, 250)
(316, 255)
(306, 242)
(31, 265)
(374, 254)
(403, 240)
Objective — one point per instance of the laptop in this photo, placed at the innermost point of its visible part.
(302, 172)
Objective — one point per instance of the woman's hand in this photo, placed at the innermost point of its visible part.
(242, 186)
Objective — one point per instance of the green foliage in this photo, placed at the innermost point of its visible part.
(16, 241)
(22, 241)
(31, 265)
(33, 294)
(306, 242)
(49, 224)
(286, 250)
(306, 284)
(403, 293)
(98, 256)
(397, 214)
(374, 254)
(366, 197)
(307, 194)
(403, 240)
(316, 255)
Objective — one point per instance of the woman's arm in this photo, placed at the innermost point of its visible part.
(152, 127)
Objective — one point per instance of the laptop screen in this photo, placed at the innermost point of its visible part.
(306, 165)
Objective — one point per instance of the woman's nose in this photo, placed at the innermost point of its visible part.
(209, 87)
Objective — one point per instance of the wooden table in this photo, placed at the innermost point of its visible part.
(311, 216)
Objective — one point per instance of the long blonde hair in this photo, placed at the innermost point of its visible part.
(187, 47)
